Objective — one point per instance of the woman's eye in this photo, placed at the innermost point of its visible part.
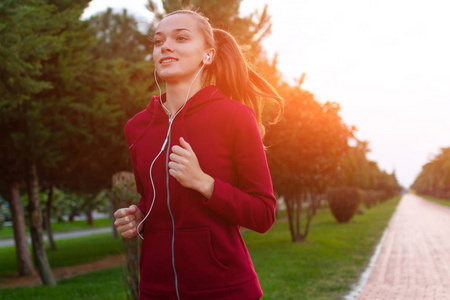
(157, 42)
(181, 38)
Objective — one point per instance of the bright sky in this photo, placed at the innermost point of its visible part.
(386, 62)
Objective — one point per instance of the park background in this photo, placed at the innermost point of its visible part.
(68, 87)
(385, 62)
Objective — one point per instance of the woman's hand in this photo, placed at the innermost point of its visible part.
(127, 220)
(184, 167)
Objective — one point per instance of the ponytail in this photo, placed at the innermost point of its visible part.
(233, 76)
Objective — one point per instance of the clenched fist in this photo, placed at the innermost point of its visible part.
(127, 220)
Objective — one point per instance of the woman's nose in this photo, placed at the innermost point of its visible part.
(166, 47)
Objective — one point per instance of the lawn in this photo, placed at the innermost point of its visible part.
(70, 252)
(445, 202)
(6, 232)
(106, 284)
(324, 267)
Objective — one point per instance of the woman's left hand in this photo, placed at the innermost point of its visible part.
(184, 167)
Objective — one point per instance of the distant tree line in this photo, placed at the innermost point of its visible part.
(68, 86)
(434, 179)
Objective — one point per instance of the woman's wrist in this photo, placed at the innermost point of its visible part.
(206, 186)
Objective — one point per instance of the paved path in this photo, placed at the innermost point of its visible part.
(63, 235)
(414, 260)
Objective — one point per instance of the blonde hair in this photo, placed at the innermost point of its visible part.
(233, 75)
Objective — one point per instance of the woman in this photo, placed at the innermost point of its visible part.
(200, 166)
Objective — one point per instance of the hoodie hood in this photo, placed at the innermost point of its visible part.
(202, 97)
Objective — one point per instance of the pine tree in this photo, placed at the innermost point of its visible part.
(33, 35)
(116, 84)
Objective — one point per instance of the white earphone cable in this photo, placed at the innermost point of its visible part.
(165, 141)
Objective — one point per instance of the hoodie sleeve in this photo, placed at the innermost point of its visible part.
(251, 203)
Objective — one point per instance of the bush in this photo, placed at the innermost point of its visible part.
(344, 202)
(370, 198)
(382, 196)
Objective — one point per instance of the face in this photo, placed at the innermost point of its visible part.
(179, 48)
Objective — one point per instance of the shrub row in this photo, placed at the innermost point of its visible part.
(344, 201)
(373, 197)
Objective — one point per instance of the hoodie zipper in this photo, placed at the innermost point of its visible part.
(168, 207)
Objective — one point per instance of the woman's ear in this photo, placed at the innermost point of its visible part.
(209, 56)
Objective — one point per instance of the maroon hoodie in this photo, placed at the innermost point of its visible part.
(192, 246)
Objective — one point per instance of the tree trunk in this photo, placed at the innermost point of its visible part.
(72, 216)
(89, 219)
(48, 215)
(24, 264)
(277, 209)
(294, 206)
(298, 212)
(290, 211)
(35, 220)
(124, 194)
(132, 276)
(311, 213)
(312, 209)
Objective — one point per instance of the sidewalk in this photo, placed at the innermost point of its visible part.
(62, 235)
(414, 261)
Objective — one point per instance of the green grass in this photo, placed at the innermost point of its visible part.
(105, 284)
(324, 267)
(6, 232)
(445, 202)
(70, 252)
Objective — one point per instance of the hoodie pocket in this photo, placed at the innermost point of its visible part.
(196, 264)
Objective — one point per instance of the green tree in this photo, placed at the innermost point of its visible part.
(304, 153)
(358, 171)
(66, 69)
(434, 178)
(46, 40)
(115, 86)
(27, 38)
(388, 183)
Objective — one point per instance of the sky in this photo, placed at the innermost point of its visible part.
(386, 62)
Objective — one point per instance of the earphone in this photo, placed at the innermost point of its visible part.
(166, 140)
(208, 57)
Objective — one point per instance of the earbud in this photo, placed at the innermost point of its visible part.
(208, 57)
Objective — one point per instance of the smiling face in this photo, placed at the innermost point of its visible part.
(179, 48)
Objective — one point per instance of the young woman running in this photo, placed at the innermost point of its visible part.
(200, 166)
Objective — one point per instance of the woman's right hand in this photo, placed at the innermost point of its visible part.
(127, 220)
